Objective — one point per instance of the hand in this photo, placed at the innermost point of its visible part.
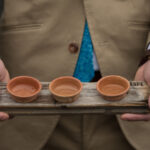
(4, 77)
(142, 74)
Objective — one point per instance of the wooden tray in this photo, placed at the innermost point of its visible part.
(89, 102)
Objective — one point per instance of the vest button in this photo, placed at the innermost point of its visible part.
(73, 47)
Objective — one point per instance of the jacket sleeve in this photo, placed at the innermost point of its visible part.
(1, 6)
(148, 42)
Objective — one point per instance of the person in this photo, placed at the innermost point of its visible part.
(43, 39)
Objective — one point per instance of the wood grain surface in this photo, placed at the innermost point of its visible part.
(89, 102)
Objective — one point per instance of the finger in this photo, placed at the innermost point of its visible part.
(135, 117)
(4, 116)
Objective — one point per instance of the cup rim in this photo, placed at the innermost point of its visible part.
(28, 77)
(65, 77)
(113, 95)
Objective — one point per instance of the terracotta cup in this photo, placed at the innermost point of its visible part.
(65, 89)
(113, 87)
(24, 88)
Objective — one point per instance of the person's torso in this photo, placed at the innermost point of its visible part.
(36, 35)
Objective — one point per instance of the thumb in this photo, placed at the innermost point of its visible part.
(146, 72)
(4, 75)
(139, 76)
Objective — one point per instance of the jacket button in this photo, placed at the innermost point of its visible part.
(73, 47)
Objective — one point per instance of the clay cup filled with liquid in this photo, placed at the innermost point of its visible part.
(65, 89)
(113, 87)
(24, 88)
